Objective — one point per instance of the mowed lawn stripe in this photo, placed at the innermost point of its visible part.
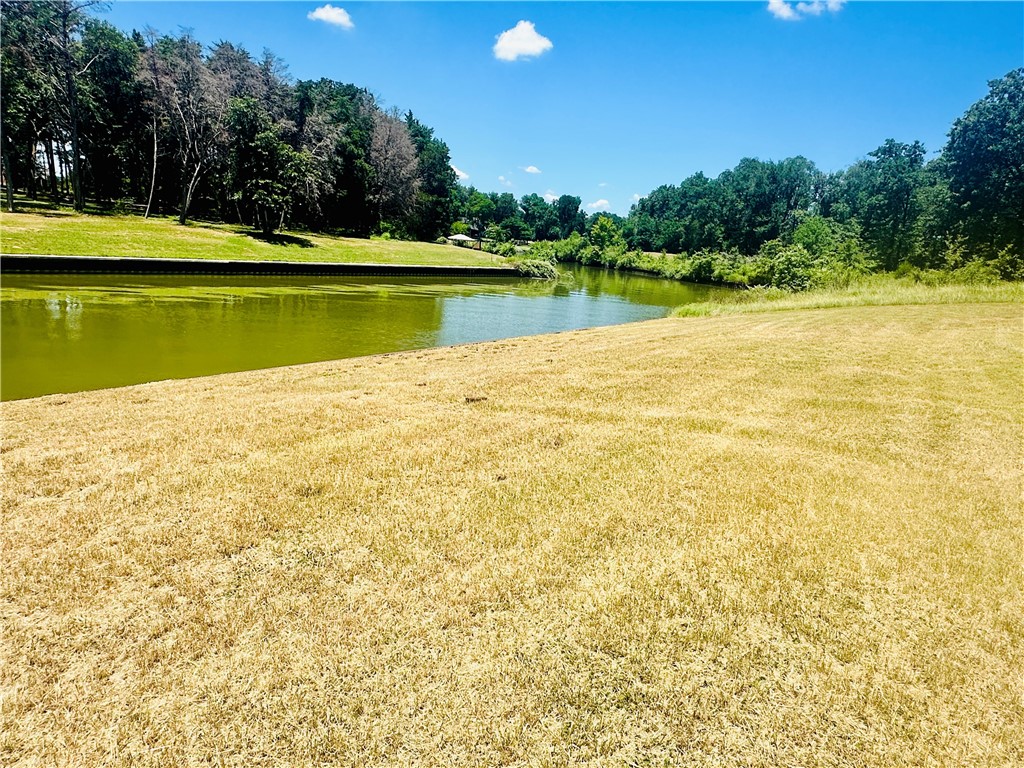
(786, 538)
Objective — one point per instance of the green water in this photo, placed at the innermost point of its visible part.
(68, 333)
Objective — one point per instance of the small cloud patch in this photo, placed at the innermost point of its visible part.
(331, 15)
(789, 11)
(599, 205)
(531, 169)
(504, 182)
(521, 42)
(550, 196)
(460, 175)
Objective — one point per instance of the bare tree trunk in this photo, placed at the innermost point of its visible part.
(62, 160)
(76, 160)
(51, 169)
(8, 180)
(187, 191)
(152, 181)
(155, 74)
(71, 91)
(32, 191)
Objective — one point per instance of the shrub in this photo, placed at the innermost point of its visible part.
(503, 249)
(537, 268)
(543, 250)
(1009, 264)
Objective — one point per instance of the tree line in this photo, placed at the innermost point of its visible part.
(159, 124)
(788, 224)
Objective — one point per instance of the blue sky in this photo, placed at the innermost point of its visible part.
(628, 96)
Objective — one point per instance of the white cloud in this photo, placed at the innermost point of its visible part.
(520, 42)
(814, 8)
(780, 9)
(328, 13)
(602, 184)
(461, 175)
(599, 205)
(788, 11)
(504, 182)
(530, 169)
(550, 196)
(636, 198)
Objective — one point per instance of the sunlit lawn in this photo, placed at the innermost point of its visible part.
(62, 232)
(788, 538)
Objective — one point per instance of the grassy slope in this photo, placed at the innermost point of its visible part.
(870, 291)
(65, 233)
(780, 539)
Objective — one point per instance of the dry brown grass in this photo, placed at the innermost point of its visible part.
(786, 539)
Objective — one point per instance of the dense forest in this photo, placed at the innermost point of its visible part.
(158, 124)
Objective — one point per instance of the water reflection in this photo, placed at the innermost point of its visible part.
(71, 333)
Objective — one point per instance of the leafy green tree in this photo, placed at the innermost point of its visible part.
(761, 200)
(517, 228)
(113, 120)
(480, 210)
(540, 217)
(28, 90)
(436, 202)
(937, 224)
(333, 123)
(262, 169)
(817, 235)
(883, 196)
(63, 32)
(505, 205)
(570, 217)
(985, 164)
(641, 231)
(604, 233)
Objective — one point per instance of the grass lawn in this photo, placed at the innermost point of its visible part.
(66, 233)
(762, 539)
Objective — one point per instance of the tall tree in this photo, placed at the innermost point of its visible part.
(985, 164)
(435, 200)
(262, 170)
(27, 73)
(113, 116)
(883, 194)
(539, 217)
(395, 169)
(155, 81)
(63, 31)
(570, 217)
(196, 105)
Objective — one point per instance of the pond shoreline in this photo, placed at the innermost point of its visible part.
(114, 265)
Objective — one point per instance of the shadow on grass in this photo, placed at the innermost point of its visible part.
(60, 206)
(279, 239)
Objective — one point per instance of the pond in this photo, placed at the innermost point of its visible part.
(69, 333)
